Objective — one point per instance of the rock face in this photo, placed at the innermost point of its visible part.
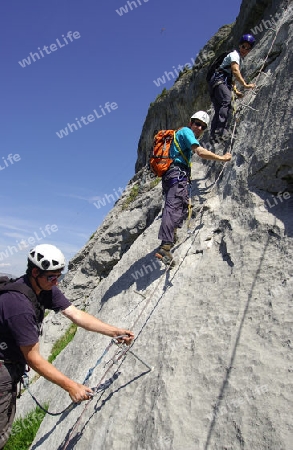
(217, 329)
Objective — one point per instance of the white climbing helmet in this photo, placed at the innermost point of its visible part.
(201, 115)
(47, 257)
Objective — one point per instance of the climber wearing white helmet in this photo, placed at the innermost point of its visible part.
(175, 180)
(22, 306)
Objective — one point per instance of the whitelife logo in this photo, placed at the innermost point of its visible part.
(30, 241)
(45, 50)
(88, 119)
(9, 160)
(124, 9)
(266, 24)
(168, 76)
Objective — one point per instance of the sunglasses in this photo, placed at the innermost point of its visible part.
(199, 124)
(52, 278)
(245, 47)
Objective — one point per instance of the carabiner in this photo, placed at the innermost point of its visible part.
(181, 175)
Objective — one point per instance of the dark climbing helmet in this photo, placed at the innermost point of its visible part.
(248, 38)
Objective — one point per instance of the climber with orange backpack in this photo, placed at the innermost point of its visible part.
(176, 178)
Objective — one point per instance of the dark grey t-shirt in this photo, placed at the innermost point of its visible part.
(18, 322)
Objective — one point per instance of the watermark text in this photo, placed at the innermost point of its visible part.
(111, 198)
(109, 107)
(29, 242)
(41, 53)
(129, 6)
(171, 75)
(9, 160)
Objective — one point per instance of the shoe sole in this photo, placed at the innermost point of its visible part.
(167, 262)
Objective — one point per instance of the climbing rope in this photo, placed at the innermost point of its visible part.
(189, 206)
(217, 179)
(260, 71)
(99, 360)
(120, 355)
(236, 113)
(148, 300)
(25, 380)
(112, 361)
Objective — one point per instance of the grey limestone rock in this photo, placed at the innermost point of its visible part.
(216, 329)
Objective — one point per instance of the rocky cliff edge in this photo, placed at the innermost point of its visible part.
(212, 365)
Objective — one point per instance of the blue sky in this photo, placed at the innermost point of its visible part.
(82, 63)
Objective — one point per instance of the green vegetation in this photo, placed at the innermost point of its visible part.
(136, 189)
(154, 182)
(62, 342)
(161, 95)
(132, 196)
(92, 235)
(24, 430)
(182, 72)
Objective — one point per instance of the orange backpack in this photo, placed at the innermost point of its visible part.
(160, 160)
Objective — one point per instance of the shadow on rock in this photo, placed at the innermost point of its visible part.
(69, 442)
(143, 272)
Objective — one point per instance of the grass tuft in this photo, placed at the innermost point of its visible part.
(24, 430)
(62, 342)
(131, 197)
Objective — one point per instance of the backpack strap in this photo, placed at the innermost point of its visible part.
(180, 151)
(7, 285)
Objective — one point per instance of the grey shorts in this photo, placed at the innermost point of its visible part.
(10, 375)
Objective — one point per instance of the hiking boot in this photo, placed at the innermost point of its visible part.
(164, 255)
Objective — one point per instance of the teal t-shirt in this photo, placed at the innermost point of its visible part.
(185, 138)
